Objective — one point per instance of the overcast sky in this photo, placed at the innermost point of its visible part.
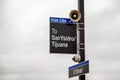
(24, 39)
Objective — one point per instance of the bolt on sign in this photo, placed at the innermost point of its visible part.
(63, 36)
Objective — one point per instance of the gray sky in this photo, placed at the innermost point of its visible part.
(24, 39)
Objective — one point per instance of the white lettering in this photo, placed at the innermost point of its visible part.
(55, 37)
(56, 44)
(54, 31)
(67, 38)
(63, 38)
(77, 71)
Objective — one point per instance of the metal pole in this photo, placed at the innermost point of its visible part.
(81, 9)
(82, 34)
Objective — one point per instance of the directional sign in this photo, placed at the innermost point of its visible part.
(62, 36)
(79, 69)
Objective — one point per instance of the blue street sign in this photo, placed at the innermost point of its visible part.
(79, 69)
(61, 20)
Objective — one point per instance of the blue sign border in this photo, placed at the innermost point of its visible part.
(80, 64)
(61, 20)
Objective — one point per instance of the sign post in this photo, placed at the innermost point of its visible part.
(82, 34)
(67, 36)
